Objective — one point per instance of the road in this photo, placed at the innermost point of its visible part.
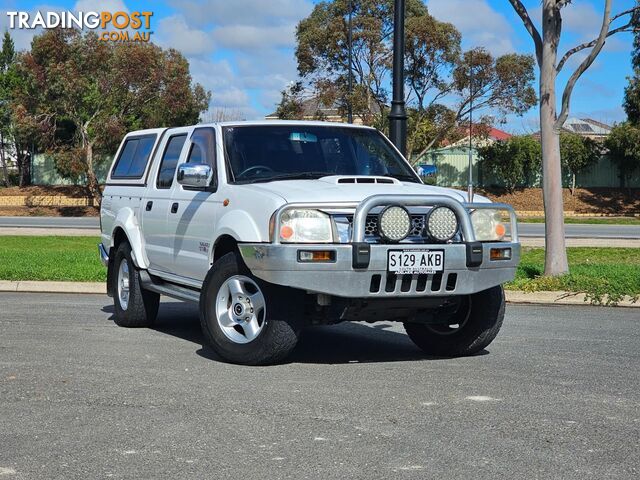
(555, 396)
(533, 230)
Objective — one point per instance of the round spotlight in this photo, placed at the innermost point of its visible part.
(394, 223)
(442, 224)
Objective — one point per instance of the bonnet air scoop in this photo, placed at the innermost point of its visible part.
(360, 179)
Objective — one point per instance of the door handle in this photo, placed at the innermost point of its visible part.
(149, 206)
(174, 208)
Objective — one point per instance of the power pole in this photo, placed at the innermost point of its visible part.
(398, 114)
(350, 43)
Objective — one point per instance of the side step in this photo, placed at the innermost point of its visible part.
(158, 285)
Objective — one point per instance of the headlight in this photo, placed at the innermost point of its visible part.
(442, 224)
(487, 225)
(394, 223)
(305, 226)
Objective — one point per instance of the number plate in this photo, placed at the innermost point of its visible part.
(415, 261)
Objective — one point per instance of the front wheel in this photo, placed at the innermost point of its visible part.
(243, 318)
(470, 329)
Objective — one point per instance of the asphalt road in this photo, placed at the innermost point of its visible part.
(534, 230)
(555, 396)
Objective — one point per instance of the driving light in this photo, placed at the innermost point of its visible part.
(305, 226)
(394, 223)
(487, 225)
(442, 224)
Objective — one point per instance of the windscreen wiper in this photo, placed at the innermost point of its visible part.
(409, 178)
(292, 176)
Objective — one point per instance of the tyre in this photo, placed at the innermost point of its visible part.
(134, 306)
(245, 320)
(471, 328)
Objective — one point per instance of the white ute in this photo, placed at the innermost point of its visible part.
(274, 226)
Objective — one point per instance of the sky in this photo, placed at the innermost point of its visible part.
(243, 50)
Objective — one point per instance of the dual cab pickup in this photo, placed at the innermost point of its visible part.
(273, 226)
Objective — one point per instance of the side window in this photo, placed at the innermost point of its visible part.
(169, 161)
(203, 147)
(134, 157)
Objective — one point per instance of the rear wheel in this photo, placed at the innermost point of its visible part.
(246, 321)
(134, 306)
(468, 330)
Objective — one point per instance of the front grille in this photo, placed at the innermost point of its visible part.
(413, 284)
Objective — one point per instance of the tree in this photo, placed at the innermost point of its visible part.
(546, 48)
(436, 71)
(578, 154)
(632, 92)
(481, 82)
(7, 57)
(624, 149)
(515, 161)
(83, 94)
(291, 104)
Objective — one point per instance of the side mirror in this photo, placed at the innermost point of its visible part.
(195, 175)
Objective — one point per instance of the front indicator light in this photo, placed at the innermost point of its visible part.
(500, 254)
(308, 256)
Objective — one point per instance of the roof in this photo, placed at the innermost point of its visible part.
(478, 130)
(498, 134)
(313, 105)
(586, 126)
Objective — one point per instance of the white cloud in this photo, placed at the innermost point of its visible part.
(173, 32)
(243, 12)
(480, 25)
(100, 6)
(255, 37)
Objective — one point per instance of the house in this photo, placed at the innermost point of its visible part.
(585, 127)
(482, 135)
(313, 109)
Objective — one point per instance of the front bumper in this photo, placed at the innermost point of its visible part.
(278, 264)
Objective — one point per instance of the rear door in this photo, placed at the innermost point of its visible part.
(157, 203)
(192, 217)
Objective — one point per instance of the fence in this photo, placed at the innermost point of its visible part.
(452, 171)
(43, 170)
(453, 164)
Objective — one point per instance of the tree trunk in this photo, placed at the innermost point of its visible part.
(3, 163)
(24, 165)
(92, 180)
(573, 184)
(555, 262)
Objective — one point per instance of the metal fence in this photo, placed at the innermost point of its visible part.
(451, 166)
(452, 169)
(43, 170)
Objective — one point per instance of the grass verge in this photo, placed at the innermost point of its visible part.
(606, 275)
(73, 259)
(588, 220)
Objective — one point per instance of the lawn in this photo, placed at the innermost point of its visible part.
(596, 271)
(50, 258)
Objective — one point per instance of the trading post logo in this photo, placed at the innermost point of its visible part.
(113, 26)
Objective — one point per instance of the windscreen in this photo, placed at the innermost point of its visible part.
(263, 153)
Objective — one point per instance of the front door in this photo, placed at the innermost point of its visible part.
(192, 214)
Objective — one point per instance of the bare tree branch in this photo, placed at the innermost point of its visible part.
(583, 46)
(597, 48)
(521, 10)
